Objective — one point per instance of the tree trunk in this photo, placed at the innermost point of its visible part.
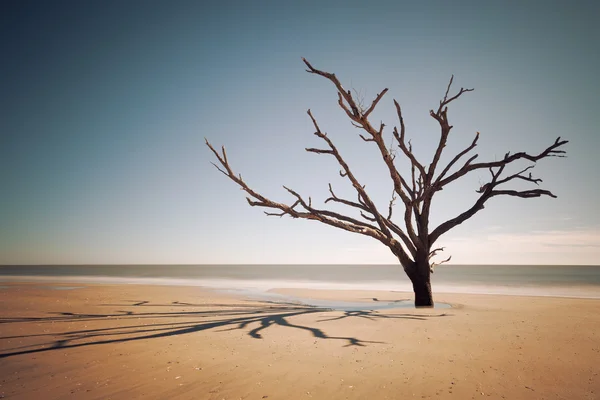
(420, 277)
(422, 289)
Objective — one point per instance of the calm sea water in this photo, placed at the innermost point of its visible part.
(540, 280)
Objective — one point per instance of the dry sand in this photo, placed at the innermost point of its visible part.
(156, 342)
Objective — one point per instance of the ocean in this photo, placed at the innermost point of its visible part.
(530, 280)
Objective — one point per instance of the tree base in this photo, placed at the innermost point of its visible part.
(423, 295)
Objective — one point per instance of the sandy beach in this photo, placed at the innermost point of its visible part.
(159, 342)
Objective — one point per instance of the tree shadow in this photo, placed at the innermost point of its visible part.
(149, 325)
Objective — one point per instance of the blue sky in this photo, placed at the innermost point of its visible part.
(105, 106)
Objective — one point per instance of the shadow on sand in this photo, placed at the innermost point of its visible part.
(127, 326)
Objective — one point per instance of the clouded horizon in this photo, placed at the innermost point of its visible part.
(106, 106)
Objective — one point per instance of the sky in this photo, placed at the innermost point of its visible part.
(106, 104)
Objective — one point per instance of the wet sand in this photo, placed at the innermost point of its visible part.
(159, 342)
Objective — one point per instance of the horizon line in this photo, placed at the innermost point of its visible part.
(275, 264)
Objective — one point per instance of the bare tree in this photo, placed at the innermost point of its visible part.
(413, 243)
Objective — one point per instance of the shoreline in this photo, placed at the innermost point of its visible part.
(252, 287)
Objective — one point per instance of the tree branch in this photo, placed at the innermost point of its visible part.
(342, 93)
(519, 175)
(391, 205)
(324, 216)
(488, 191)
(361, 120)
(368, 204)
(441, 115)
(456, 158)
(379, 96)
(400, 184)
(446, 100)
(349, 203)
(435, 264)
(526, 194)
(550, 151)
(402, 144)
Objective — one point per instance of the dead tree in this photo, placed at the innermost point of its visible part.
(413, 241)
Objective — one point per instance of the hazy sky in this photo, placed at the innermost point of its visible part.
(105, 106)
